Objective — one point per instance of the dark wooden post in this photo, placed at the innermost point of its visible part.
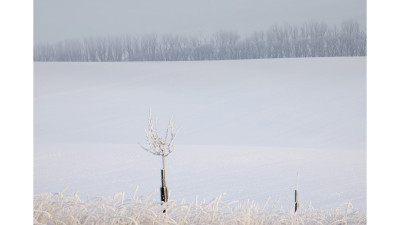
(296, 194)
(163, 190)
(296, 202)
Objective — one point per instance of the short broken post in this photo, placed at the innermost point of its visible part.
(296, 194)
(296, 202)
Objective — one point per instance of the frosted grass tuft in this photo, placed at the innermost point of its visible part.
(62, 208)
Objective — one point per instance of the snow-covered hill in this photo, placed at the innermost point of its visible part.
(246, 128)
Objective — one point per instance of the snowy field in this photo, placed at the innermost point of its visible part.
(246, 128)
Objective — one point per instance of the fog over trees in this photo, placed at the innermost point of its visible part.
(286, 41)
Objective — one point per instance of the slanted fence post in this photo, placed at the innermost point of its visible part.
(296, 194)
(296, 201)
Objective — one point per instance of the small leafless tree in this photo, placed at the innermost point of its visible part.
(161, 145)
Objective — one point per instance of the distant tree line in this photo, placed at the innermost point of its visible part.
(309, 40)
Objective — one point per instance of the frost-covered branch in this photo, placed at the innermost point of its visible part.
(157, 144)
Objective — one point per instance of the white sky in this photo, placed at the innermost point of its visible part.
(60, 19)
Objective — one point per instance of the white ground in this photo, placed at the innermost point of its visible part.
(247, 127)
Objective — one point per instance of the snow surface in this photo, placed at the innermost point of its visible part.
(246, 128)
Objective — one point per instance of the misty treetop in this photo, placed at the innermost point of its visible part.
(286, 41)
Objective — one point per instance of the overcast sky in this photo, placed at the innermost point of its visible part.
(62, 19)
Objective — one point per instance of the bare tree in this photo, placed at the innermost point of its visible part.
(226, 42)
(161, 146)
(311, 39)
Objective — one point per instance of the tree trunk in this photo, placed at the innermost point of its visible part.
(163, 172)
